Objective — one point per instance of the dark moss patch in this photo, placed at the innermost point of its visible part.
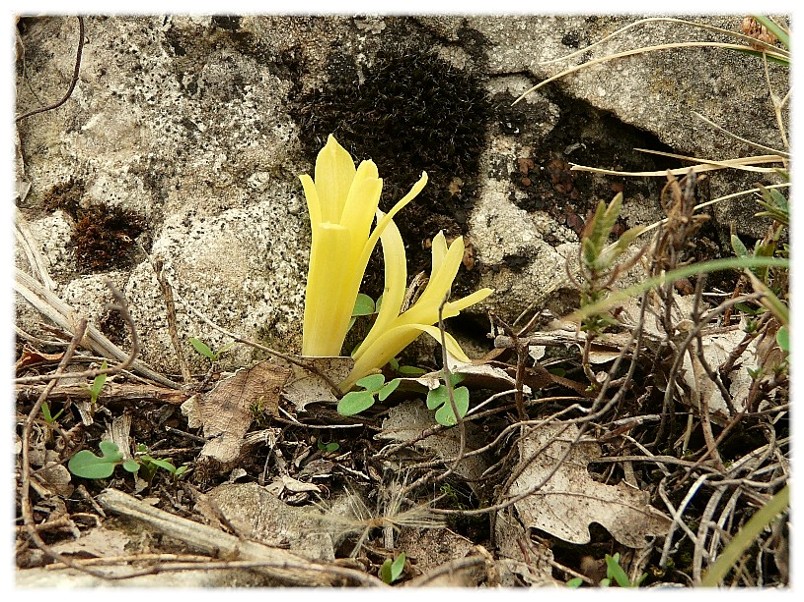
(103, 237)
(409, 111)
(64, 195)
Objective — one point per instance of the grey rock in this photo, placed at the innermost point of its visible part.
(186, 127)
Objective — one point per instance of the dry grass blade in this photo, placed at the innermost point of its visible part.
(741, 163)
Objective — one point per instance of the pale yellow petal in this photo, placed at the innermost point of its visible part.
(425, 310)
(390, 343)
(396, 277)
(454, 307)
(327, 307)
(334, 172)
(313, 202)
(361, 204)
(439, 251)
(381, 225)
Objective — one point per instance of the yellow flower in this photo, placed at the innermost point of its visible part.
(392, 330)
(342, 203)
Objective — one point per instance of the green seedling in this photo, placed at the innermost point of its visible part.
(406, 371)
(599, 260)
(328, 447)
(616, 573)
(575, 583)
(203, 349)
(390, 570)
(50, 419)
(360, 401)
(87, 465)
(149, 464)
(97, 384)
(439, 398)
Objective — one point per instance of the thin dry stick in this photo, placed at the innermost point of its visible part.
(170, 307)
(703, 400)
(73, 81)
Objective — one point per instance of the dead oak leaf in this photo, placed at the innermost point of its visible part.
(227, 411)
(571, 499)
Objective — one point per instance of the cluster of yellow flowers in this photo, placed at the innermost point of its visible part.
(343, 202)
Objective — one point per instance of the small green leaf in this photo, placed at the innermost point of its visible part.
(413, 371)
(202, 348)
(330, 447)
(372, 382)
(50, 419)
(437, 397)
(398, 566)
(440, 397)
(456, 377)
(87, 465)
(131, 466)
(385, 571)
(740, 250)
(575, 582)
(388, 388)
(355, 402)
(110, 450)
(97, 384)
(181, 470)
(164, 464)
(783, 338)
(390, 570)
(615, 571)
(364, 305)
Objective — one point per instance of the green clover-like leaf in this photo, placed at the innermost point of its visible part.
(87, 465)
(440, 397)
(387, 389)
(372, 382)
(355, 402)
(364, 305)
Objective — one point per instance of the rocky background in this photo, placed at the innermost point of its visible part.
(184, 137)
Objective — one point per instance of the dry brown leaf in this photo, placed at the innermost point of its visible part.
(227, 411)
(409, 419)
(570, 499)
(305, 386)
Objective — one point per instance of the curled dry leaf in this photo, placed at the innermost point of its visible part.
(571, 499)
(304, 386)
(227, 411)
